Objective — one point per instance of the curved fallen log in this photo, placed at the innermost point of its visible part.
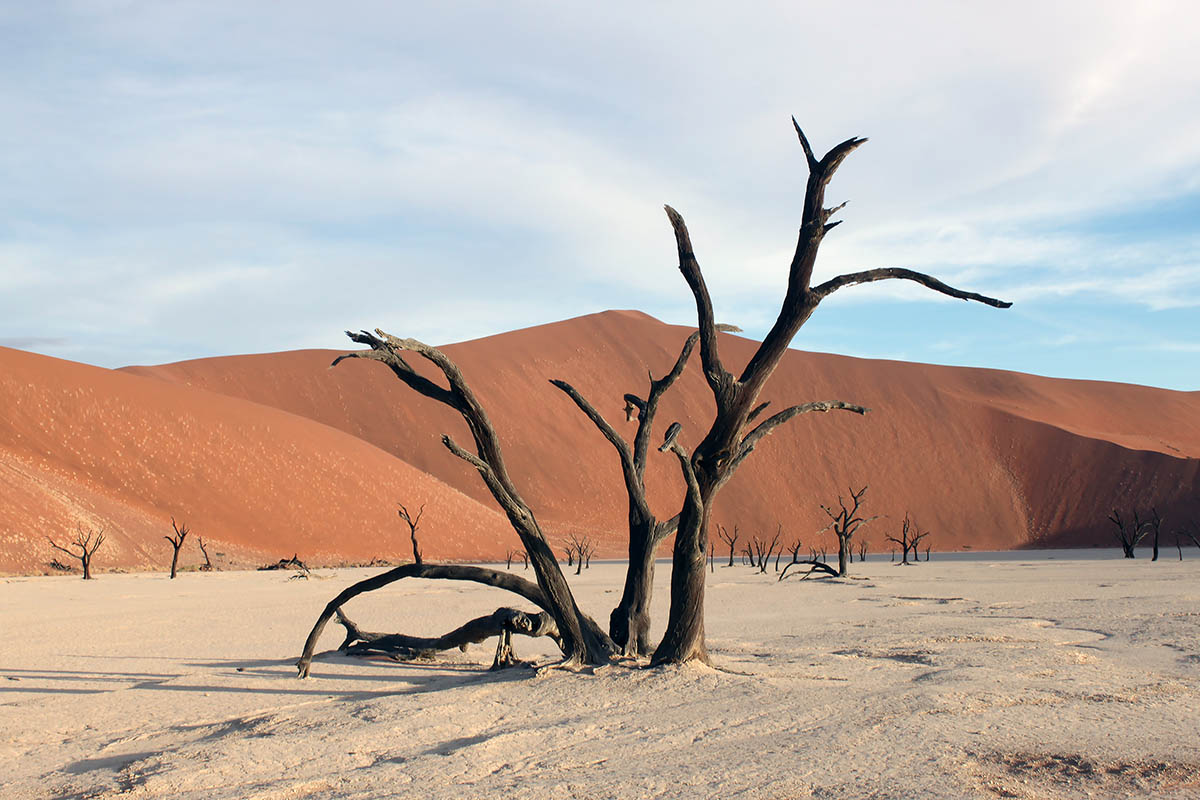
(489, 577)
(815, 566)
(501, 623)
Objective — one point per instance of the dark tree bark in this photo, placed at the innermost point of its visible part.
(413, 523)
(176, 540)
(86, 543)
(501, 623)
(726, 444)
(629, 623)
(580, 638)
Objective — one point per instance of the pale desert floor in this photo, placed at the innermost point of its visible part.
(1028, 679)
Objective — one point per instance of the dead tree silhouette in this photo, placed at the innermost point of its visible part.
(86, 543)
(176, 540)
(728, 442)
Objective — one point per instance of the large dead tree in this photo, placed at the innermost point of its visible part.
(629, 623)
(727, 443)
(176, 540)
(85, 545)
(845, 522)
(580, 638)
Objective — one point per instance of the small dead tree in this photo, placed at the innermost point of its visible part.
(1154, 525)
(207, 566)
(763, 550)
(176, 540)
(1129, 534)
(413, 523)
(508, 558)
(862, 549)
(579, 552)
(812, 563)
(729, 539)
(845, 523)
(85, 544)
(910, 536)
(1179, 536)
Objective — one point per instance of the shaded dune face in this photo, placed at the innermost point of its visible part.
(276, 453)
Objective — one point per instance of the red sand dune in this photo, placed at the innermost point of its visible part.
(86, 446)
(280, 454)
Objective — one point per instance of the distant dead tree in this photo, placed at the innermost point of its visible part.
(1180, 535)
(862, 549)
(910, 537)
(762, 550)
(927, 548)
(207, 566)
(729, 539)
(1129, 534)
(86, 543)
(525, 559)
(176, 540)
(413, 523)
(845, 522)
(580, 550)
(508, 558)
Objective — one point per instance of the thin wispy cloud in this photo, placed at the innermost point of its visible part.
(273, 176)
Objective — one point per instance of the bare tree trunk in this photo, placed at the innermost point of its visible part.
(629, 623)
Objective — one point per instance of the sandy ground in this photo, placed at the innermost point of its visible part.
(1027, 679)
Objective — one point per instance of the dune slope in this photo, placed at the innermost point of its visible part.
(985, 458)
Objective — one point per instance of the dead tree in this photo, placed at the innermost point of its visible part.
(1154, 525)
(508, 558)
(727, 444)
(207, 566)
(862, 549)
(580, 638)
(910, 536)
(629, 623)
(413, 523)
(845, 522)
(87, 544)
(176, 540)
(1129, 534)
(1179, 536)
(729, 539)
(763, 550)
(579, 552)
(812, 563)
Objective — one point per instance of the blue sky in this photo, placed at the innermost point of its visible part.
(194, 179)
